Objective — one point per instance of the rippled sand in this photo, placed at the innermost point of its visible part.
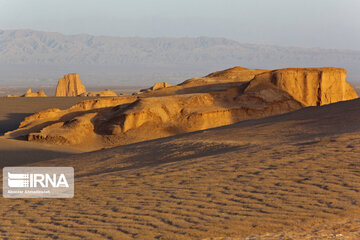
(295, 176)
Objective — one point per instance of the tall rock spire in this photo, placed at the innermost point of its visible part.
(69, 86)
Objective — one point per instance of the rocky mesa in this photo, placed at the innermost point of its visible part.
(218, 99)
(310, 86)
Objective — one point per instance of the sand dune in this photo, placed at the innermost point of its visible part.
(294, 175)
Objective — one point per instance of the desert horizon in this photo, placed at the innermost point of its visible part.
(178, 120)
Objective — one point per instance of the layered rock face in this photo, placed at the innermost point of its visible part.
(310, 86)
(69, 86)
(29, 93)
(218, 99)
(70, 126)
(156, 86)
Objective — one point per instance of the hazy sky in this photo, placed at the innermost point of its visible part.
(308, 23)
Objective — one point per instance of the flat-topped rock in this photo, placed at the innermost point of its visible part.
(310, 86)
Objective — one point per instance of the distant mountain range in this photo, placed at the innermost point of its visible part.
(40, 58)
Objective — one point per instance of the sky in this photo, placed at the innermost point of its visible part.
(303, 23)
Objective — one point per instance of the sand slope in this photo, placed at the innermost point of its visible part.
(296, 175)
(17, 153)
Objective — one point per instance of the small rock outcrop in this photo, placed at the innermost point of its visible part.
(29, 93)
(12, 95)
(160, 85)
(69, 86)
(156, 86)
(106, 93)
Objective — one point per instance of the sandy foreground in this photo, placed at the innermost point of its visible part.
(291, 176)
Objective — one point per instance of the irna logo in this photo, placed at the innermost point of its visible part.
(38, 182)
(31, 180)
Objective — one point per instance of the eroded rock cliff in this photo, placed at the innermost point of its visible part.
(218, 99)
(310, 86)
(70, 86)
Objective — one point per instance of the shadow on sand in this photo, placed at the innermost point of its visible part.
(11, 122)
(22, 157)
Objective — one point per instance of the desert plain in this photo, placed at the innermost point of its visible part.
(237, 154)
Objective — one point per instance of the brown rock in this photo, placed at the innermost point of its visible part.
(29, 93)
(106, 93)
(310, 86)
(160, 85)
(156, 86)
(235, 74)
(12, 95)
(41, 93)
(69, 86)
(224, 100)
(43, 124)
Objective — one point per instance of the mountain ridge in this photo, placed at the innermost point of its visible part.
(49, 55)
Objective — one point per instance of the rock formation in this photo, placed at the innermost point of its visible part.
(160, 85)
(156, 86)
(12, 95)
(218, 99)
(106, 93)
(69, 86)
(310, 86)
(29, 93)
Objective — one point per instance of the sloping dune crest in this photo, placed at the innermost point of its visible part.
(221, 98)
